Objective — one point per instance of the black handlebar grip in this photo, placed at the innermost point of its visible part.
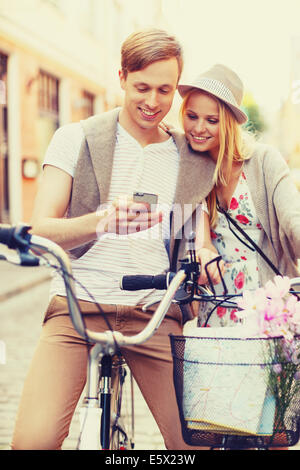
(15, 236)
(141, 282)
(7, 235)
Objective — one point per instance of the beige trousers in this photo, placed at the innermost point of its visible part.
(57, 374)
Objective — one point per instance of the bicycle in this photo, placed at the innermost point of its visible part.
(103, 425)
(180, 287)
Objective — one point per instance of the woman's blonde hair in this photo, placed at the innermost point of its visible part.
(236, 145)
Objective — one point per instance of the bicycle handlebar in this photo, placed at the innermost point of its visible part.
(19, 238)
(15, 237)
(22, 241)
(140, 282)
(6, 235)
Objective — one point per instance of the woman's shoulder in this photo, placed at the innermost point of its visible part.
(266, 154)
(267, 163)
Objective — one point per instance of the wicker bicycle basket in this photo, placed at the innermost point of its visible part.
(242, 391)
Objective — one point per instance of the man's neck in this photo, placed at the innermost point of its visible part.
(143, 136)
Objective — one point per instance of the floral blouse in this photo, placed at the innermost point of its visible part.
(241, 262)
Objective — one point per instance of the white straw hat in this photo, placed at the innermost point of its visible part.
(223, 83)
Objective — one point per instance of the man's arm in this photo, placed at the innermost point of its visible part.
(51, 204)
(53, 197)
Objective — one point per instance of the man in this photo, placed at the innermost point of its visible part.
(85, 204)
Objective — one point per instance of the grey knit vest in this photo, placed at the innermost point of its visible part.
(92, 177)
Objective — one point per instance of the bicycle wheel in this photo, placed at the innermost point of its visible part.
(122, 407)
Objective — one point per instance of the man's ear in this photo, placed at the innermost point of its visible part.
(122, 78)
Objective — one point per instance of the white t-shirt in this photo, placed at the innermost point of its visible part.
(152, 169)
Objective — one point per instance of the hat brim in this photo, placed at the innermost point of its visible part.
(240, 116)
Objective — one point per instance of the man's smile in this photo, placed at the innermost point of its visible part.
(147, 114)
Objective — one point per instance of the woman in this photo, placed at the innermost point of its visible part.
(252, 184)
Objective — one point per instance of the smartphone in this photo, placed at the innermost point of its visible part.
(146, 197)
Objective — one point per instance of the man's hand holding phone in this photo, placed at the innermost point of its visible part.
(128, 215)
(146, 198)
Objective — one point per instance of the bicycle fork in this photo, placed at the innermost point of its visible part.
(105, 401)
(97, 421)
(94, 436)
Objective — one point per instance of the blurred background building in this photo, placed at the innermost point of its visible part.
(59, 62)
(287, 126)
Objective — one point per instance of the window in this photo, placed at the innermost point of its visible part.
(48, 102)
(48, 93)
(88, 104)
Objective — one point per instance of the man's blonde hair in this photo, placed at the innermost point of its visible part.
(145, 47)
(236, 145)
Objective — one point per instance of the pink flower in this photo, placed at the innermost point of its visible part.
(271, 311)
(291, 306)
(278, 288)
(239, 280)
(234, 204)
(251, 305)
(246, 301)
(242, 218)
(221, 312)
(277, 368)
(233, 316)
(295, 316)
(297, 375)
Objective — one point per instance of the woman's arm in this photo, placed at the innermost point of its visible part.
(206, 251)
(285, 200)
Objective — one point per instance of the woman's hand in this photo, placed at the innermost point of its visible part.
(204, 256)
(164, 126)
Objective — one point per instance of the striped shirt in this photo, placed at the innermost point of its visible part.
(152, 169)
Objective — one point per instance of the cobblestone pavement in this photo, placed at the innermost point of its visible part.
(20, 323)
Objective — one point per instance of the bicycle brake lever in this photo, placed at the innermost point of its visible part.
(21, 258)
(216, 260)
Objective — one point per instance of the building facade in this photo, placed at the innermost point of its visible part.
(51, 73)
(59, 62)
(287, 125)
